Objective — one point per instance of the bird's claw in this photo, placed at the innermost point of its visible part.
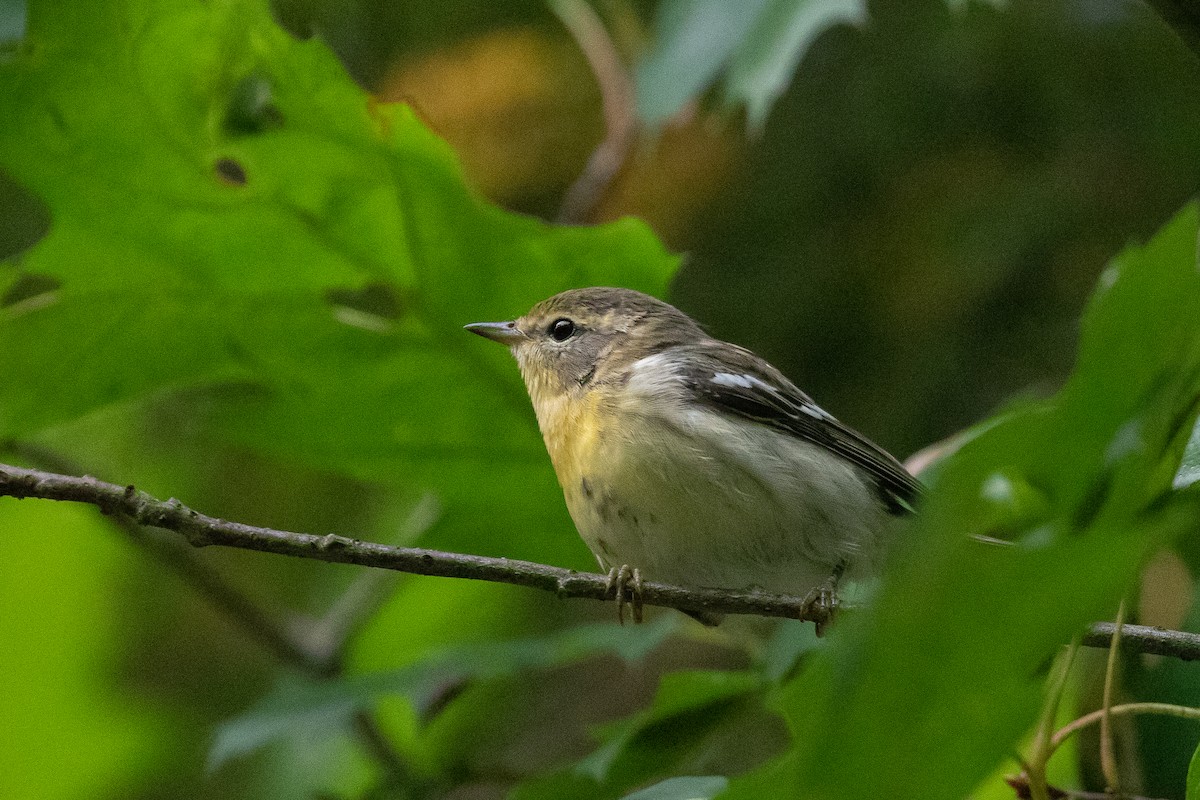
(625, 584)
(821, 603)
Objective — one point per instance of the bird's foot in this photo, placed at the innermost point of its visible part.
(820, 605)
(625, 584)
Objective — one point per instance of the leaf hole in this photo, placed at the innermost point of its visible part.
(24, 218)
(230, 171)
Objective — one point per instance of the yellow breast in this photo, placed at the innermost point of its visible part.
(572, 428)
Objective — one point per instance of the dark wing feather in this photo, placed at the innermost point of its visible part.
(734, 380)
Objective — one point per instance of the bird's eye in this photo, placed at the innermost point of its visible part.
(561, 329)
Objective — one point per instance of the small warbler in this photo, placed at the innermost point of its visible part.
(692, 461)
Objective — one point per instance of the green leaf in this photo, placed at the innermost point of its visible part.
(683, 788)
(687, 706)
(1193, 777)
(1187, 475)
(295, 706)
(234, 216)
(12, 24)
(321, 709)
(912, 708)
(765, 61)
(1189, 465)
(758, 43)
(789, 641)
(174, 273)
(694, 40)
(687, 719)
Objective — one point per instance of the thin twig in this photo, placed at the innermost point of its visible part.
(1108, 756)
(1020, 785)
(617, 100)
(1165, 709)
(201, 530)
(1146, 639)
(1043, 747)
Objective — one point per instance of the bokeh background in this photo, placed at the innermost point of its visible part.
(910, 232)
(921, 216)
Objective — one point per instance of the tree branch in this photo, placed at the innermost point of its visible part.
(617, 100)
(1145, 639)
(202, 530)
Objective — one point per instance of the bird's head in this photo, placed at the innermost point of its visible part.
(580, 337)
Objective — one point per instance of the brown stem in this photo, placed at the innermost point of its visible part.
(201, 530)
(1108, 753)
(617, 99)
(1165, 709)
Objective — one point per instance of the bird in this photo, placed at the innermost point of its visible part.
(692, 461)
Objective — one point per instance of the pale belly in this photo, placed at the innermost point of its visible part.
(776, 513)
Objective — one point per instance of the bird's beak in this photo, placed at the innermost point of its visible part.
(502, 332)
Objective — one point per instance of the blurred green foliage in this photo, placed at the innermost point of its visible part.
(1094, 455)
(321, 709)
(229, 275)
(69, 732)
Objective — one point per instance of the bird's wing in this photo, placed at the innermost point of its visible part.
(733, 380)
